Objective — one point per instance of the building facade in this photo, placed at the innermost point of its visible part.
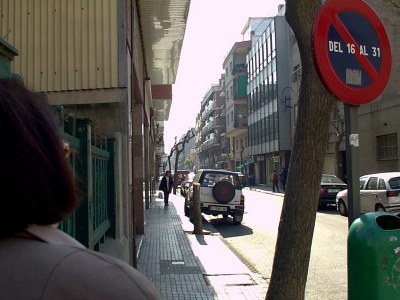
(235, 94)
(103, 60)
(269, 95)
(211, 130)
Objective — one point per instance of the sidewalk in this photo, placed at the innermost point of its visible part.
(266, 188)
(187, 266)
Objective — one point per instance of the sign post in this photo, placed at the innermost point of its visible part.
(353, 58)
(352, 162)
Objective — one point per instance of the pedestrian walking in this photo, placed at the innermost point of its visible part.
(166, 186)
(38, 261)
(275, 181)
(283, 178)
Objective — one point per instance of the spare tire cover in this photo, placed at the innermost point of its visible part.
(223, 191)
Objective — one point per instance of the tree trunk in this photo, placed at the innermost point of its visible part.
(176, 170)
(296, 227)
(197, 218)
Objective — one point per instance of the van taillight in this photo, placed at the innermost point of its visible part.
(241, 200)
(392, 193)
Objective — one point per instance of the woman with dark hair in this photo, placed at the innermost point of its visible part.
(38, 261)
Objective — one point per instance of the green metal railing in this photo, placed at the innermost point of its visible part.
(93, 169)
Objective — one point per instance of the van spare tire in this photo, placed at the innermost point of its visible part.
(223, 191)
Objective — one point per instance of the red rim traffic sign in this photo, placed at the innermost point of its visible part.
(351, 50)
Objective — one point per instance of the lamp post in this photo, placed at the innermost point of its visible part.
(242, 163)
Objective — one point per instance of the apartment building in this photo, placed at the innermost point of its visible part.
(211, 147)
(235, 95)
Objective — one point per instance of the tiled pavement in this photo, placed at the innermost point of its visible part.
(187, 266)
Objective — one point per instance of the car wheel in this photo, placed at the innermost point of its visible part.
(223, 192)
(237, 219)
(342, 208)
(380, 208)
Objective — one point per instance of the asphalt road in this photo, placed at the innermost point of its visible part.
(254, 242)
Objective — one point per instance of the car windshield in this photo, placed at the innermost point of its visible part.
(330, 179)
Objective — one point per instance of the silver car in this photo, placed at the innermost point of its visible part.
(378, 192)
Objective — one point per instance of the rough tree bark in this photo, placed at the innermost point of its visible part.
(338, 124)
(296, 227)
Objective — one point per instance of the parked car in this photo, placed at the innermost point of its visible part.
(378, 192)
(330, 186)
(220, 194)
(186, 183)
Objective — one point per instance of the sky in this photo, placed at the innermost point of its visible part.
(212, 28)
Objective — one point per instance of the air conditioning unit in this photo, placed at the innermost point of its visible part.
(277, 159)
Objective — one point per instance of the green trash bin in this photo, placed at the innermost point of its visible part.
(373, 257)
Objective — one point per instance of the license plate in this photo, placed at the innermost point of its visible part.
(333, 190)
(218, 208)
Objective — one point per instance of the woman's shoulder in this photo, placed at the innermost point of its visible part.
(106, 276)
(64, 267)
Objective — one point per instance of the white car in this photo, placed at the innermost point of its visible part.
(378, 192)
(220, 194)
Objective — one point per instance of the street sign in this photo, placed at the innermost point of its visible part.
(351, 50)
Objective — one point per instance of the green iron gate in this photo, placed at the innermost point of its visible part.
(92, 164)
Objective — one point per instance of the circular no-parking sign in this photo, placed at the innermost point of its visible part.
(351, 50)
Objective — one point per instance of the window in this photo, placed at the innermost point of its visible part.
(387, 146)
(362, 182)
(372, 183)
(381, 185)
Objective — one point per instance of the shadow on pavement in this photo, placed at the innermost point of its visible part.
(329, 210)
(227, 229)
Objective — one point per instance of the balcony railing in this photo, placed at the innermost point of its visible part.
(207, 126)
(207, 109)
(240, 122)
(239, 68)
(210, 143)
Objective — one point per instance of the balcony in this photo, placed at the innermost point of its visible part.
(239, 68)
(240, 122)
(207, 126)
(207, 109)
(212, 142)
(210, 126)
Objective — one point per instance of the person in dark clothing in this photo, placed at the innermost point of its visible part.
(166, 185)
(283, 178)
(275, 181)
